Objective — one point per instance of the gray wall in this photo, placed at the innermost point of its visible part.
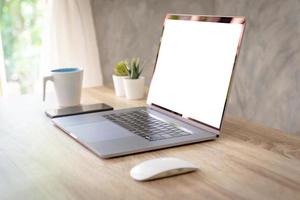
(132, 28)
(266, 88)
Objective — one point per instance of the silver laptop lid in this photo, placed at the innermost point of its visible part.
(194, 66)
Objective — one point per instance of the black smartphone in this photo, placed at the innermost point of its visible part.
(76, 110)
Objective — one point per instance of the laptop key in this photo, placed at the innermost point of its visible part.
(156, 137)
(185, 133)
(147, 137)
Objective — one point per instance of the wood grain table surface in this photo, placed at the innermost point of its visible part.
(38, 161)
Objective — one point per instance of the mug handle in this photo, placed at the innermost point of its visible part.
(45, 79)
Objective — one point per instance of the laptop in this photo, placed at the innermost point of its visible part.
(187, 95)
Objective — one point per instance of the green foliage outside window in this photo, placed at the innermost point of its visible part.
(21, 26)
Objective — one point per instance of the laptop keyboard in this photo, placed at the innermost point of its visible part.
(142, 124)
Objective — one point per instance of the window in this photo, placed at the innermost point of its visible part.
(21, 33)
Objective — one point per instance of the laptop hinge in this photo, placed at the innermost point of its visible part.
(179, 117)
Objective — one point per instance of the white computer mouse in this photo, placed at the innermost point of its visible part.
(161, 167)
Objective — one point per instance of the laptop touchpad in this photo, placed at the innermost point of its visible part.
(98, 131)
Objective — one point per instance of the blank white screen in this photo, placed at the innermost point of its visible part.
(194, 67)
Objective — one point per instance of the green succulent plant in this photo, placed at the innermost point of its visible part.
(121, 68)
(134, 68)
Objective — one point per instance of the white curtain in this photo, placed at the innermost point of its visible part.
(70, 39)
(2, 71)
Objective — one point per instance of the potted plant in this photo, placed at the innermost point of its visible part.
(134, 85)
(120, 72)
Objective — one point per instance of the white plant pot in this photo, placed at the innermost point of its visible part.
(119, 85)
(134, 88)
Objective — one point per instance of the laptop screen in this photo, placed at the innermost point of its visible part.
(194, 66)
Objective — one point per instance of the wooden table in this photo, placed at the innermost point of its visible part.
(38, 161)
